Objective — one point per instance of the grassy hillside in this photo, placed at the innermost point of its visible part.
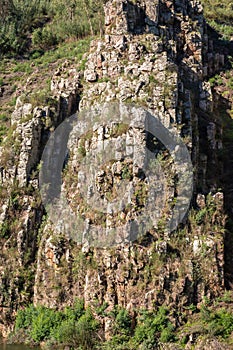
(219, 14)
(219, 10)
(42, 24)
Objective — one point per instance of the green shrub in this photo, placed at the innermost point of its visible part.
(26, 24)
(76, 311)
(4, 229)
(152, 328)
(24, 317)
(200, 216)
(123, 322)
(218, 323)
(44, 323)
(44, 38)
(36, 54)
(117, 342)
(81, 332)
(4, 118)
(167, 334)
(73, 326)
(126, 173)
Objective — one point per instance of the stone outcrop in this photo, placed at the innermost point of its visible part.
(155, 54)
(151, 55)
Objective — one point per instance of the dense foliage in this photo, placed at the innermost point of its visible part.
(76, 326)
(34, 24)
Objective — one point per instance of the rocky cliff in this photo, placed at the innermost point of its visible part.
(155, 54)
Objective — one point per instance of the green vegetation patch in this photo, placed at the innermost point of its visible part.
(26, 26)
(78, 327)
(219, 15)
(72, 326)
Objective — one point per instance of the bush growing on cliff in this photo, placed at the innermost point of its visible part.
(24, 317)
(153, 328)
(73, 326)
(17, 20)
(76, 327)
(122, 322)
(217, 323)
(39, 322)
(82, 333)
(43, 323)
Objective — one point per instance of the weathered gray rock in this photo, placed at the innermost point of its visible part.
(135, 62)
(154, 54)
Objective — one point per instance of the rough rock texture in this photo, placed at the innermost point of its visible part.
(151, 55)
(155, 54)
(21, 209)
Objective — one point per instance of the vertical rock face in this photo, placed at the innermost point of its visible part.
(155, 54)
(131, 17)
